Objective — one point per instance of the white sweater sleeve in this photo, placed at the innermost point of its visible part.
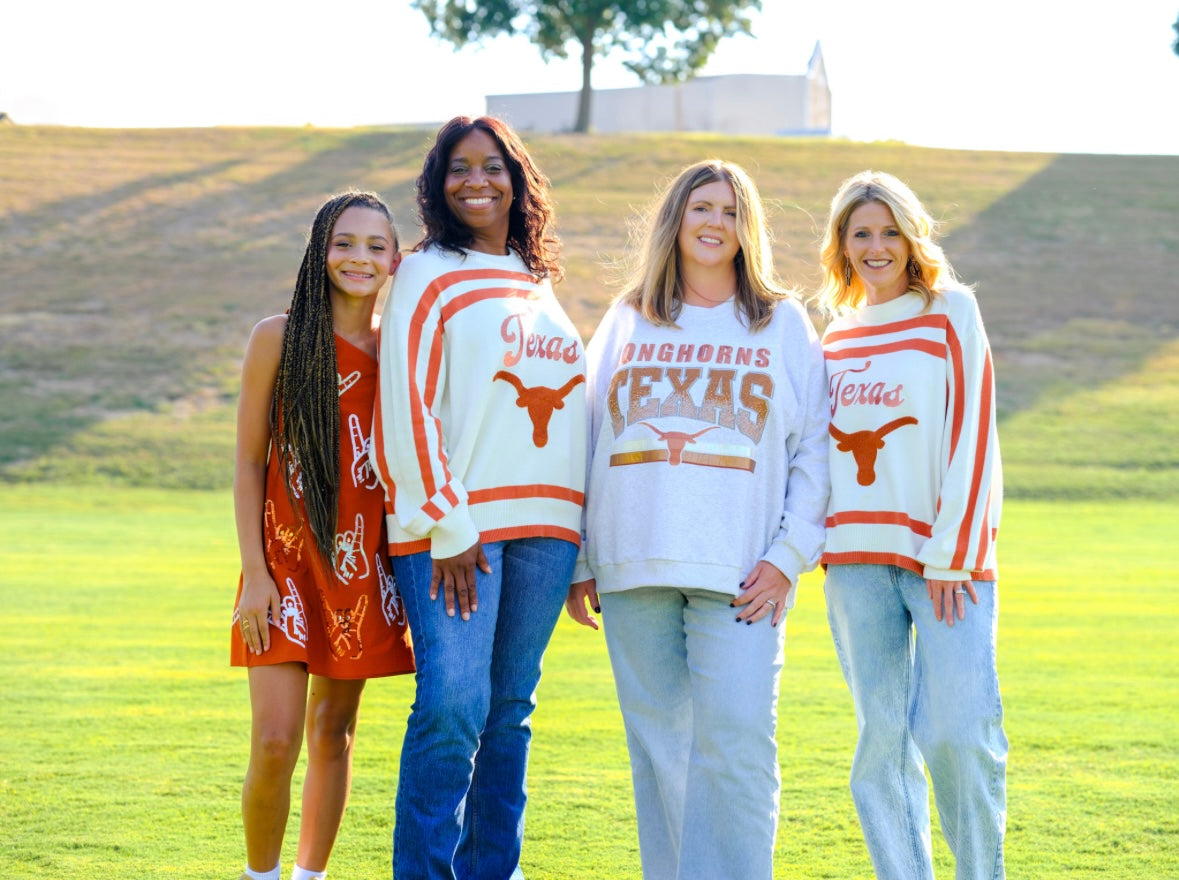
(409, 449)
(969, 458)
(799, 543)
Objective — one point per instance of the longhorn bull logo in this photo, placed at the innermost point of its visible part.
(539, 401)
(676, 441)
(864, 446)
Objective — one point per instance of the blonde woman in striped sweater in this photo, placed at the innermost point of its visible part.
(916, 491)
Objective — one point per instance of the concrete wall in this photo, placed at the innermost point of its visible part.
(738, 104)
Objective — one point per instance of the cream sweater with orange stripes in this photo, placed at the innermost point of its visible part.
(915, 472)
(479, 432)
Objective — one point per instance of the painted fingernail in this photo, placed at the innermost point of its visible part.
(597, 609)
(741, 585)
(466, 616)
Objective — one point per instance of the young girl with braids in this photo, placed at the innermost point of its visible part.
(317, 612)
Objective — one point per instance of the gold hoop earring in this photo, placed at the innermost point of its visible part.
(847, 273)
(914, 268)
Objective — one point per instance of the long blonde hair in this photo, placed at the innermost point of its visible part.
(653, 283)
(929, 270)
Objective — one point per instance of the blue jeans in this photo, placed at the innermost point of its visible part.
(699, 696)
(461, 793)
(925, 694)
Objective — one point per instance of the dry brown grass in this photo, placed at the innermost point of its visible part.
(135, 262)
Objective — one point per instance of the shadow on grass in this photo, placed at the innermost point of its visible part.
(132, 297)
(1076, 274)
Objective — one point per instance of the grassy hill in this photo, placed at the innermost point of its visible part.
(134, 263)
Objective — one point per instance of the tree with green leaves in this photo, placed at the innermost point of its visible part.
(661, 40)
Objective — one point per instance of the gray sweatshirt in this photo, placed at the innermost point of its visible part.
(708, 448)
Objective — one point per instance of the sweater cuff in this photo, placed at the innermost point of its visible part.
(581, 571)
(788, 562)
(945, 574)
(453, 534)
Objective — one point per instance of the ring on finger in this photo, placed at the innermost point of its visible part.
(771, 603)
(961, 591)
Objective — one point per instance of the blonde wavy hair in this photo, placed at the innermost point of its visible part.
(653, 284)
(929, 270)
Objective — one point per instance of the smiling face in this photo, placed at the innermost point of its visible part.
(478, 189)
(708, 230)
(878, 252)
(362, 253)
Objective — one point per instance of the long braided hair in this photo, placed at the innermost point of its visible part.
(531, 219)
(305, 411)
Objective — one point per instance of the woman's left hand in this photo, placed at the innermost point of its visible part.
(949, 597)
(764, 592)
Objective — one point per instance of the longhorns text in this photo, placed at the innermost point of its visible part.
(729, 399)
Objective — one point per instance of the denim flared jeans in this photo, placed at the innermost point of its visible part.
(461, 791)
(926, 694)
(699, 698)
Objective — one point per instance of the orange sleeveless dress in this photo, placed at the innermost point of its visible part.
(345, 621)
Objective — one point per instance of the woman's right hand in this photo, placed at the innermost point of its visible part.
(259, 604)
(456, 576)
(580, 594)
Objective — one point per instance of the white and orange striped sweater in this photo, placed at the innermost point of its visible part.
(479, 431)
(916, 479)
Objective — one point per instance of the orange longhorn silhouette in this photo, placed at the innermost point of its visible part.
(864, 445)
(539, 401)
(676, 441)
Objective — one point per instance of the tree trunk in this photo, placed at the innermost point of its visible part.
(584, 101)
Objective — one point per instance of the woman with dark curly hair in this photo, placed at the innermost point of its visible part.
(479, 438)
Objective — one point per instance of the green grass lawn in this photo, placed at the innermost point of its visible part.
(126, 733)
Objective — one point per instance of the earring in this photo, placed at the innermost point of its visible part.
(914, 268)
(847, 273)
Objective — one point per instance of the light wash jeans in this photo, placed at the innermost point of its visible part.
(461, 792)
(925, 693)
(699, 697)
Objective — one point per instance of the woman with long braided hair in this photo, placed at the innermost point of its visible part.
(317, 612)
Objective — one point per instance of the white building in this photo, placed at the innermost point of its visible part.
(735, 104)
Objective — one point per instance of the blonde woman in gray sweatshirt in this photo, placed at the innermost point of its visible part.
(707, 496)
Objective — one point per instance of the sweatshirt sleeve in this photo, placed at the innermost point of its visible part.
(409, 448)
(962, 533)
(799, 543)
(599, 371)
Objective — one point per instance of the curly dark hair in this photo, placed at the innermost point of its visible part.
(531, 222)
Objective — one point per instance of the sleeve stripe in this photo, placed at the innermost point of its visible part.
(472, 297)
(928, 346)
(975, 509)
(931, 321)
(421, 403)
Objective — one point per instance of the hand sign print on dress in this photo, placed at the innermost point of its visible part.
(363, 475)
(351, 563)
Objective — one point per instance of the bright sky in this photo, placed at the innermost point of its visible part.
(1005, 75)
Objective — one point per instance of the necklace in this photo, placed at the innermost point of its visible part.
(694, 297)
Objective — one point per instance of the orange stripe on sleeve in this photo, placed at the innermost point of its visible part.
(981, 450)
